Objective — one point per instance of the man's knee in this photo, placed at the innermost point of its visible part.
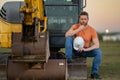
(98, 52)
(69, 38)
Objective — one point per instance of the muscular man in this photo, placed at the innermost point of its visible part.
(91, 46)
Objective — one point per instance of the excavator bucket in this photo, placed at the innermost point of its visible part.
(54, 69)
(30, 51)
(30, 60)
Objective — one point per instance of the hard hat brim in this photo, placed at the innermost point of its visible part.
(76, 48)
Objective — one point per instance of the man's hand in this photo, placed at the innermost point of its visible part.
(82, 49)
(81, 27)
(73, 32)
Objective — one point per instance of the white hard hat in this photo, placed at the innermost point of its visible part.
(78, 42)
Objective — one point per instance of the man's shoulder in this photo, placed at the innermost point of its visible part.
(90, 27)
(76, 25)
(92, 30)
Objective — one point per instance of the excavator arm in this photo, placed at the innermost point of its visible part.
(32, 9)
(34, 19)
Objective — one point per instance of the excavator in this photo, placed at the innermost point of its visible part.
(34, 29)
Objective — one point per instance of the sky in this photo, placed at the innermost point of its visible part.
(104, 14)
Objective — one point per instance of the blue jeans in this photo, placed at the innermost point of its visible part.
(96, 53)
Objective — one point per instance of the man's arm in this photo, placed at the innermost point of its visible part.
(94, 46)
(71, 32)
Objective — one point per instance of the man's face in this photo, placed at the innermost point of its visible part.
(83, 19)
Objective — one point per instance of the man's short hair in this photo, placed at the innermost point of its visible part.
(84, 13)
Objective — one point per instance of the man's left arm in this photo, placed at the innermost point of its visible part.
(95, 42)
(94, 46)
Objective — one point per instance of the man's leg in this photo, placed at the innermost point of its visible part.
(69, 48)
(97, 54)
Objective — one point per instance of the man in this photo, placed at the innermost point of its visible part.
(91, 46)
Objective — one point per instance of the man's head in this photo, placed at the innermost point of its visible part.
(83, 18)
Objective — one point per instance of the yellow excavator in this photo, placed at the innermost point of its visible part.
(34, 29)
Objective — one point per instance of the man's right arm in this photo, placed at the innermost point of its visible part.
(71, 32)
